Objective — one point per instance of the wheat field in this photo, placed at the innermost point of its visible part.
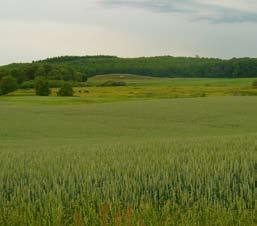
(160, 162)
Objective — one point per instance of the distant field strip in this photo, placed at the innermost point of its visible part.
(141, 88)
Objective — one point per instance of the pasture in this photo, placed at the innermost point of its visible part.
(147, 88)
(181, 161)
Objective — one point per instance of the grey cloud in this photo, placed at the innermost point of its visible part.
(229, 15)
(213, 13)
(181, 6)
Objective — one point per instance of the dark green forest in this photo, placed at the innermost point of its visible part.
(74, 68)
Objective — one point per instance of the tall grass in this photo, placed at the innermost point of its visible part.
(180, 162)
(193, 181)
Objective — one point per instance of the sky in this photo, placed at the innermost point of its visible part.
(37, 29)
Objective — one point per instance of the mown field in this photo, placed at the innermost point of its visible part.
(179, 161)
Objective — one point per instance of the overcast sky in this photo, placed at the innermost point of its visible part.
(36, 29)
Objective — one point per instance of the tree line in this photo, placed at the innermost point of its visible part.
(30, 71)
(72, 68)
(163, 66)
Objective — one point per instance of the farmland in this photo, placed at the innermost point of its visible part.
(128, 113)
(156, 160)
(147, 88)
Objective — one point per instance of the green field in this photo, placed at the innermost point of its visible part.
(147, 88)
(179, 161)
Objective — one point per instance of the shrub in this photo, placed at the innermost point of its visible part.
(8, 84)
(55, 83)
(254, 84)
(113, 83)
(42, 86)
(66, 90)
(27, 84)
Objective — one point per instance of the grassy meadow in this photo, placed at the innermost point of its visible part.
(143, 87)
(101, 159)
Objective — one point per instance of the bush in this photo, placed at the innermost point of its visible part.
(27, 84)
(8, 84)
(66, 90)
(254, 84)
(113, 83)
(42, 87)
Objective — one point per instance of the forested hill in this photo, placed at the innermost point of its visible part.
(164, 66)
(76, 68)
